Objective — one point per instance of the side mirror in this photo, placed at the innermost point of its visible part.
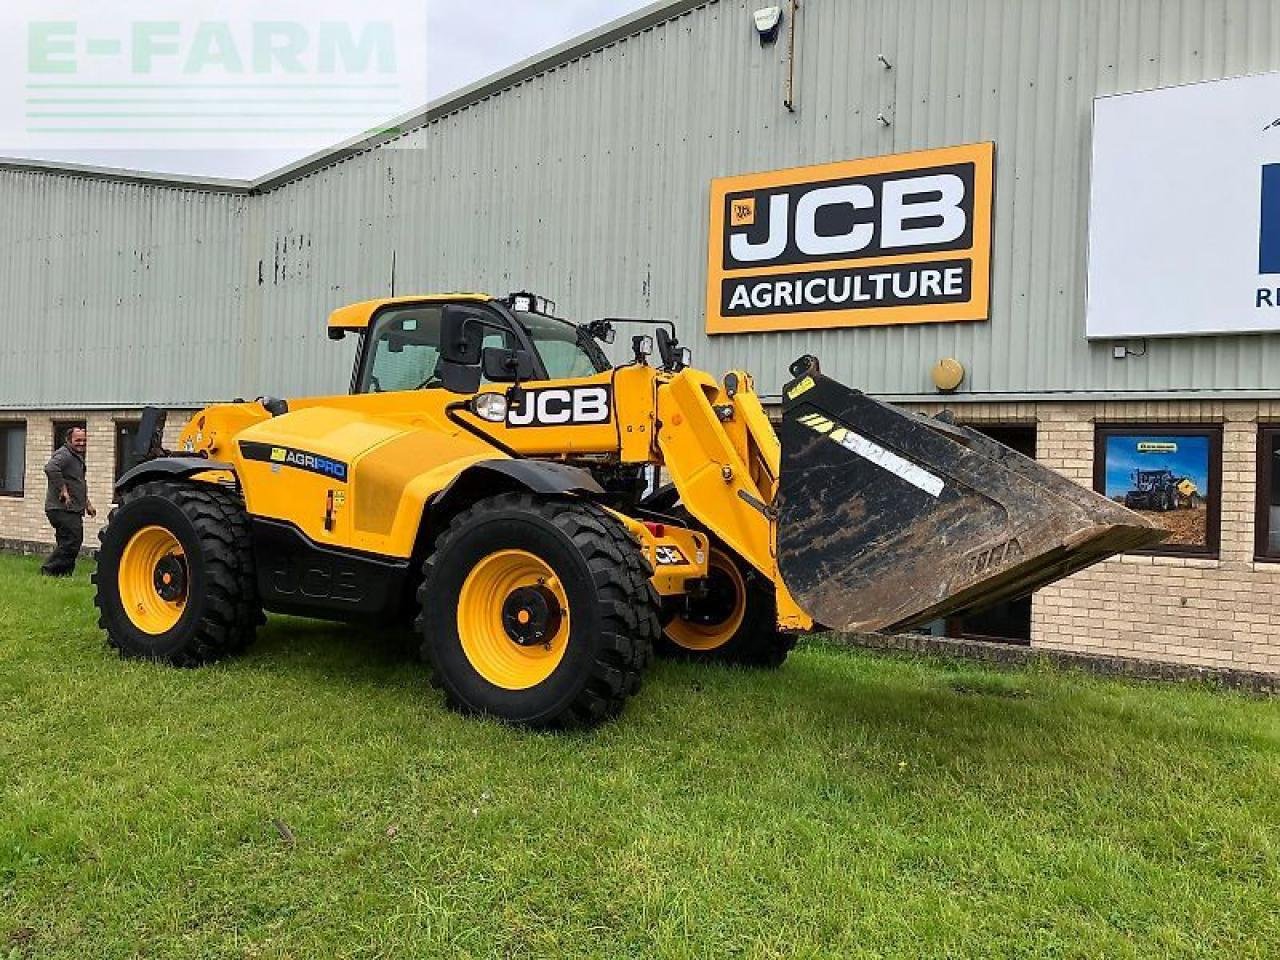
(501, 365)
(461, 335)
(459, 378)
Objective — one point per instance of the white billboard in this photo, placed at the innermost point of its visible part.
(1184, 227)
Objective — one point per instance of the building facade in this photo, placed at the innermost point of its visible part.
(587, 174)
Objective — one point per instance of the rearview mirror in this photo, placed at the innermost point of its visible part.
(461, 335)
(506, 366)
(459, 378)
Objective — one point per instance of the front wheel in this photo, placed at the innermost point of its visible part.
(733, 620)
(175, 579)
(537, 612)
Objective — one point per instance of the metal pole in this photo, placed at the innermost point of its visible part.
(790, 102)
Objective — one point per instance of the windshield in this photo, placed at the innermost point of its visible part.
(403, 350)
(567, 352)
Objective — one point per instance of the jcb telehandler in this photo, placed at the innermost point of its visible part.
(491, 480)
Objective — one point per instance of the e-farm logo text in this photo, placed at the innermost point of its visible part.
(208, 74)
(890, 240)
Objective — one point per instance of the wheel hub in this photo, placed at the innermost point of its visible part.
(719, 603)
(531, 616)
(170, 579)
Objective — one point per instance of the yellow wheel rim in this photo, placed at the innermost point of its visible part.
(153, 580)
(703, 635)
(513, 620)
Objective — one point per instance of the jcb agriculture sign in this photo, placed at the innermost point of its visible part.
(902, 239)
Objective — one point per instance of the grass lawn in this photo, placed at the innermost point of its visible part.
(316, 800)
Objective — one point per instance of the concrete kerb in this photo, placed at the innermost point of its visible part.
(1013, 656)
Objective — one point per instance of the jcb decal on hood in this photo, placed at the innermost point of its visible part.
(901, 239)
(560, 407)
(297, 459)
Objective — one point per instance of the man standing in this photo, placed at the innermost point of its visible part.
(67, 503)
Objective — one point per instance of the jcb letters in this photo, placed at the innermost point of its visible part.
(557, 408)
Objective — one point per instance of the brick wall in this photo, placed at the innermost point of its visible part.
(22, 518)
(1212, 613)
(1216, 613)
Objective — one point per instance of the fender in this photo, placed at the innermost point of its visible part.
(536, 476)
(171, 468)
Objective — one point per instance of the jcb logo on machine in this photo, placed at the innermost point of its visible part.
(669, 557)
(903, 239)
(556, 407)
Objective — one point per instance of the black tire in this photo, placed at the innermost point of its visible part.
(612, 610)
(757, 642)
(221, 612)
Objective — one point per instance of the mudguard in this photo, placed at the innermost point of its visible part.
(169, 468)
(537, 476)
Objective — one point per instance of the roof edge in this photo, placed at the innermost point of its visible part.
(124, 175)
(573, 49)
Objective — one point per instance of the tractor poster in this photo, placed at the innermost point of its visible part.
(1168, 478)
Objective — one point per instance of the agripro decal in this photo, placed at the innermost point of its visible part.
(892, 240)
(279, 456)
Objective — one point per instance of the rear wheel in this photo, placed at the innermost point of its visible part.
(175, 578)
(734, 621)
(537, 612)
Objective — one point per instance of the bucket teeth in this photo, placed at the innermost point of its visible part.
(889, 519)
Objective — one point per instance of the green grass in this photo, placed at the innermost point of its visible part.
(849, 806)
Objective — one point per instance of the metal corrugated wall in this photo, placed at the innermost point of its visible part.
(115, 292)
(590, 182)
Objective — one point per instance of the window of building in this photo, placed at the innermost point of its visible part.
(126, 435)
(1269, 493)
(61, 428)
(1172, 475)
(13, 459)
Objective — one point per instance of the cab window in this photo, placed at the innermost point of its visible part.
(567, 353)
(404, 351)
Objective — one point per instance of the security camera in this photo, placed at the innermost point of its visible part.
(768, 22)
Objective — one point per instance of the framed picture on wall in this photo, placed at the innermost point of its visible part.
(1172, 475)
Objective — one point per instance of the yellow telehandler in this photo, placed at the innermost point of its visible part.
(493, 480)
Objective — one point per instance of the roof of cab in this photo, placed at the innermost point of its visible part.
(358, 316)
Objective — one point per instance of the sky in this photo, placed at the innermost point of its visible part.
(132, 84)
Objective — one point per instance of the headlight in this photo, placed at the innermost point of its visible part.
(491, 407)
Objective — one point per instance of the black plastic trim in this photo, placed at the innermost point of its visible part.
(537, 476)
(301, 578)
(170, 467)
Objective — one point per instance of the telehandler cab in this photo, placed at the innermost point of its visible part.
(490, 479)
